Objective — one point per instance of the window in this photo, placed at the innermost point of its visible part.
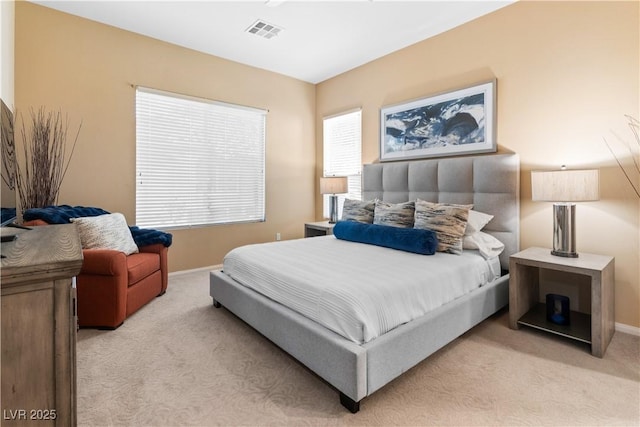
(343, 154)
(198, 161)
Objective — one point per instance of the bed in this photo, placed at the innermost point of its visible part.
(358, 366)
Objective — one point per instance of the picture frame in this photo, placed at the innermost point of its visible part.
(453, 123)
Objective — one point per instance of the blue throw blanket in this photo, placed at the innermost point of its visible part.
(148, 236)
(62, 215)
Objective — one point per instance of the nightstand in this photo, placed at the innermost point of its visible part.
(595, 328)
(314, 229)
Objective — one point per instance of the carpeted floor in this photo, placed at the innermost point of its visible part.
(181, 362)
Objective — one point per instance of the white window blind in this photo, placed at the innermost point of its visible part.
(342, 141)
(198, 161)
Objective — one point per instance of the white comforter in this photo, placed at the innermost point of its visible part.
(358, 291)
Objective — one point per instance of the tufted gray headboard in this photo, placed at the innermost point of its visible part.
(490, 182)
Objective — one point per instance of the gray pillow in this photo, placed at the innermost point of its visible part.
(394, 214)
(358, 210)
(447, 220)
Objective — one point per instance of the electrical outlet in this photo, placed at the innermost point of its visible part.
(277, 236)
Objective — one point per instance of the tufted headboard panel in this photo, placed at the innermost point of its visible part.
(490, 182)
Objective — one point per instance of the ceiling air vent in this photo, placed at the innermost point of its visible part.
(264, 29)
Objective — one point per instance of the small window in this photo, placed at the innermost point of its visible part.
(342, 142)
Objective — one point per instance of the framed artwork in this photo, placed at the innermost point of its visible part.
(447, 124)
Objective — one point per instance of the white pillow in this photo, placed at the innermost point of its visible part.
(476, 222)
(105, 232)
(488, 245)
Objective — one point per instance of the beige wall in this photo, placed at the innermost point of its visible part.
(86, 69)
(567, 73)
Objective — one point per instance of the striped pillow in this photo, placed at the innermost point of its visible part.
(359, 211)
(394, 214)
(447, 220)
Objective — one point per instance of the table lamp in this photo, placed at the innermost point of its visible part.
(563, 187)
(333, 185)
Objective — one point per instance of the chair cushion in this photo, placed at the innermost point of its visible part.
(141, 265)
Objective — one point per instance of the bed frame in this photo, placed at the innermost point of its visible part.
(491, 183)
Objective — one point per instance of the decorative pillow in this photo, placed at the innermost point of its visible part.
(422, 242)
(359, 211)
(488, 245)
(476, 222)
(394, 214)
(105, 232)
(447, 220)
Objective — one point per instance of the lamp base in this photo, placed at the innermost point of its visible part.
(565, 254)
(564, 233)
(333, 209)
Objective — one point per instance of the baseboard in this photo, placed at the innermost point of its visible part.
(195, 270)
(627, 329)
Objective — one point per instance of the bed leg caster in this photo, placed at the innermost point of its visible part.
(216, 304)
(349, 403)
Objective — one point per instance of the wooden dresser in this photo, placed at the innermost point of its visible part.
(39, 326)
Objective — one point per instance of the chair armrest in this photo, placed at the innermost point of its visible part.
(104, 262)
(161, 249)
(156, 248)
(35, 222)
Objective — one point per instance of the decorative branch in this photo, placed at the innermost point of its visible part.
(634, 151)
(46, 159)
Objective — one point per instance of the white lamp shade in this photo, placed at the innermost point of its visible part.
(333, 185)
(565, 185)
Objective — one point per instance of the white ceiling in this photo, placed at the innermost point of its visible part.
(320, 39)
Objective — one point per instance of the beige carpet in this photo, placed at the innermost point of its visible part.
(180, 362)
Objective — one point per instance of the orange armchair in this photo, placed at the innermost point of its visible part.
(112, 286)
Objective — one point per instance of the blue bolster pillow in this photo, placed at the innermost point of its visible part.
(418, 241)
